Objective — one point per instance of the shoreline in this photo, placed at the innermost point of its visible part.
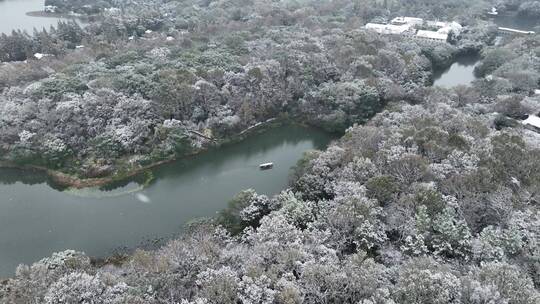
(120, 257)
(78, 17)
(62, 179)
(44, 14)
(70, 181)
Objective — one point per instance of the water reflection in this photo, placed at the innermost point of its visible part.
(36, 219)
(10, 176)
(461, 72)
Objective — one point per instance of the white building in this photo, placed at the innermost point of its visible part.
(388, 29)
(493, 12)
(532, 121)
(50, 9)
(407, 20)
(447, 27)
(432, 36)
(506, 30)
(409, 25)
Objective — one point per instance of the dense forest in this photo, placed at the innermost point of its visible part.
(129, 90)
(430, 195)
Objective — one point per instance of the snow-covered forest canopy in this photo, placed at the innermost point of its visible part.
(124, 92)
(430, 196)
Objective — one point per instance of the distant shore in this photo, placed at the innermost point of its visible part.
(50, 15)
(71, 181)
(43, 14)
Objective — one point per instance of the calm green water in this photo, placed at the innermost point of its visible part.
(513, 20)
(460, 72)
(13, 16)
(36, 220)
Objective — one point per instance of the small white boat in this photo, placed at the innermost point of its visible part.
(493, 12)
(266, 166)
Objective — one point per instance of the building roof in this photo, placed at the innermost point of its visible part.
(407, 20)
(446, 27)
(511, 30)
(401, 25)
(432, 35)
(493, 11)
(440, 24)
(445, 30)
(388, 28)
(532, 120)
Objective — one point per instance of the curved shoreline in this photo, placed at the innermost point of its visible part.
(70, 181)
(43, 14)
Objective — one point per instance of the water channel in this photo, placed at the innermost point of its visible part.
(461, 72)
(36, 219)
(512, 20)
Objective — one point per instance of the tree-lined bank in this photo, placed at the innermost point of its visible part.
(431, 195)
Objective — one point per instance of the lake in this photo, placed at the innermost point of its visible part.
(37, 220)
(13, 16)
(461, 72)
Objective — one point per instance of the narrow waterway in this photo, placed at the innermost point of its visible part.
(461, 72)
(13, 16)
(512, 20)
(36, 220)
